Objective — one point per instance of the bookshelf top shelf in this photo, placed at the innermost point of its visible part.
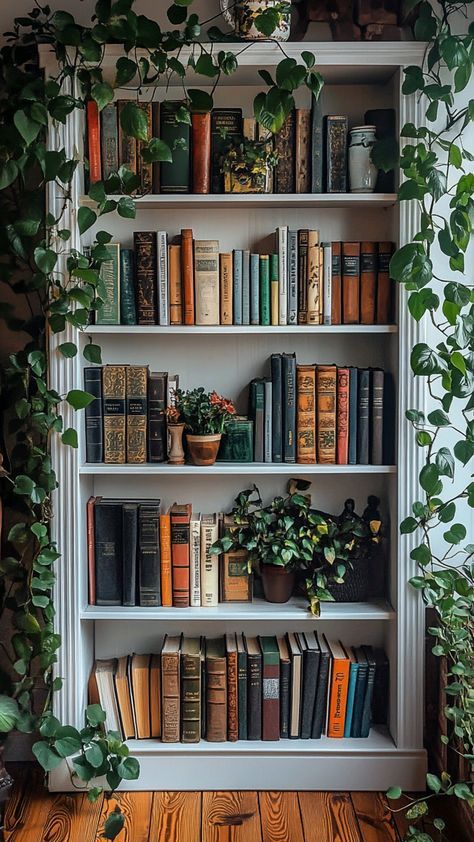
(226, 330)
(232, 469)
(190, 201)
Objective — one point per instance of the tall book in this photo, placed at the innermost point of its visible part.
(274, 290)
(232, 687)
(237, 269)
(369, 691)
(180, 518)
(342, 420)
(105, 671)
(306, 414)
(175, 175)
(303, 235)
(225, 288)
(165, 558)
(93, 141)
(129, 558)
(257, 414)
(114, 392)
(254, 688)
(284, 172)
(155, 696)
(127, 146)
(170, 689)
(109, 311)
(109, 140)
(108, 551)
(216, 691)
(245, 287)
(206, 281)
(149, 572)
(381, 688)
(350, 283)
(94, 422)
(353, 414)
(320, 703)
(376, 417)
(335, 139)
(277, 407)
(254, 289)
(187, 273)
(289, 407)
(302, 150)
(175, 289)
(360, 691)
(157, 390)
(124, 698)
(326, 250)
(368, 282)
(296, 684)
(136, 408)
(282, 248)
(226, 125)
(292, 277)
(316, 146)
(140, 682)
(162, 278)
(336, 284)
(326, 390)
(267, 421)
(384, 311)
(241, 686)
(155, 131)
(145, 274)
(145, 169)
(285, 683)
(354, 668)
(313, 279)
(195, 560)
(191, 648)
(128, 309)
(209, 561)
(311, 656)
(201, 152)
(363, 415)
(270, 688)
(338, 687)
(90, 549)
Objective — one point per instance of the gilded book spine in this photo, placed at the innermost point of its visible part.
(109, 138)
(145, 267)
(306, 414)
(303, 130)
(171, 697)
(114, 391)
(136, 381)
(225, 266)
(314, 280)
(326, 391)
(109, 311)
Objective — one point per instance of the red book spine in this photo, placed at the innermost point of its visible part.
(270, 702)
(342, 422)
(187, 274)
(201, 152)
(93, 141)
(180, 555)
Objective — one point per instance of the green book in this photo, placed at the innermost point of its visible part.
(128, 310)
(109, 312)
(237, 441)
(175, 175)
(265, 289)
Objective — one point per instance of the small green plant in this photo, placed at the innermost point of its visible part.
(203, 413)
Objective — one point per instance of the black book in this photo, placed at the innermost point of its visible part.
(289, 407)
(316, 147)
(320, 704)
(381, 688)
(93, 415)
(254, 688)
(242, 687)
(353, 404)
(108, 552)
(311, 658)
(203, 693)
(285, 685)
(376, 416)
(149, 586)
(369, 691)
(390, 421)
(228, 121)
(130, 539)
(157, 389)
(384, 120)
(361, 687)
(335, 153)
(363, 416)
(277, 443)
(175, 175)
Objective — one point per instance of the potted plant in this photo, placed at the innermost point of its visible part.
(247, 165)
(204, 415)
(257, 20)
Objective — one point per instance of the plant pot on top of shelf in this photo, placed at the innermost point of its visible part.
(204, 416)
(258, 20)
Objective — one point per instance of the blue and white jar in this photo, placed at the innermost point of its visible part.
(362, 172)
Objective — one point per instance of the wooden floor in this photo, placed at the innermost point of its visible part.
(34, 815)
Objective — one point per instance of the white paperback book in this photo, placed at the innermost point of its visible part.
(195, 560)
(162, 284)
(282, 247)
(327, 280)
(209, 562)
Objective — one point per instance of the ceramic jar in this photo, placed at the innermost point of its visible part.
(241, 14)
(362, 172)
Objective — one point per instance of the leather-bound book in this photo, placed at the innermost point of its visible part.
(376, 416)
(311, 657)
(145, 170)
(149, 573)
(90, 549)
(342, 421)
(155, 696)
(285, 682)
(320, 703)
(296, 685)
(140, 675)
(270, 688)
(201, 152)
(191, 689)
(109, 139)
(339, 684)
(94, 421)
(145, 274)
(206, 282)
(108, 552)
(228, 120)
(130, 545)
(187, 274)
(254, 688)
(241, 687)
(170, 689)
(284, 172)
(313, 279)
(384, 285)
(114, 392)
(277, 408)
(289, 407)
(128, 308)
(195, 559)
(336, 284)
(93, 141)
(368, 282)
(124, 698)
(267, 420)
(165, 561)
(306, 414)
(350, 283)
(155, 131)
(316, 146)
(326, 389)
(232, 688)
(127, 146)
(180, 518)
(353, 414)
(175, 289)
(136, 404)
(109, 311)
(175, 176)
(303, 235)
(225, 288)
(157, 390)
(354, 669)
(335, 159)
(363, 413)
(216, 691)
(303, 141)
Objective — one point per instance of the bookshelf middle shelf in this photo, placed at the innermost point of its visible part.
(226, 330)
(232, 469)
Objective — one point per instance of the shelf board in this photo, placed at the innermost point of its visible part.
(258, 200)
(232, 469)
(226, 330)
(294, 610)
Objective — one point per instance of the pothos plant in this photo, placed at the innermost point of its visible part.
(34, 245)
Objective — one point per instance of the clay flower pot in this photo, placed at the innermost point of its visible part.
(278, 582)
(203, 449)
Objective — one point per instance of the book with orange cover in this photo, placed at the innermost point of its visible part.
(338, 686)
(93, 141)
(342, 420)
(384, 314)
(91, 548)
(155, 695)
(368, 282)
(165, 556)
(175, 288)
(124, 698)
(140, 681)
(187, 274)
(180, 518)
(326, 388)
(201, 152)
(336, 284)
(350, 270)
(306, 414)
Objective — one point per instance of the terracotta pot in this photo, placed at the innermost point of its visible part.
(278, 582)
(203, 449)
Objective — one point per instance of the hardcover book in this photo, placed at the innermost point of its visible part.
(206, 281)
(145, 269)
(302, 139)
(237, 441)
(241, 687)
(170, 689)
(350, 283)
(93, 141)
(140, 682)
(191, 648)
(226, 288)
(237, 270)
(354, 668)
(284, 173)
(128, 309)
(270, 688)
(109, 311)
(368, 282)
(235, 579)
(149, 573)
(91, 549)
(335, 137)
(289, 407)
(254, 289)
(342, 421)
(353, 413)
(245, 287)
(137, 381)
(311, 658)
(195, 560)
(384, 284)
(292, 277)
(162, 278)
(336, 284)
(326, 282)
(226, 125)
(124, 698)
(303, 235)
(274, 290)
(175, 176)
(338, 689)
(109, 140)
(320, 704)
(369, 690)
(187, 270)
(180, 517)
(216, 691)
(157, 393)
(232, 688)
(175, 290)
(155, 696)
(130, 545)
(114, 392)
(254, 688)
(376, 417)
(282, 246)
(108, 552)
(267, 421)
(155, 131)
(360, 691)
(363, 413)
(257, 413)
(326, 417)
(264, 289)
(285, 684)
(201, 152)
(127, 146)
(306, 414)
(145, 169)
(209, 562)
(316, 144)
(277, 419)
(313, 279)
(94, 421)
(165, 555)
(296, 685)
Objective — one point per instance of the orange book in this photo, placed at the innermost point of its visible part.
(165, 555)
(384, 315)
(336, 291)
(91, 548)
(306, 414)
(338, 685)
(180, 516)
(176, 293)
(187, 274)
(326, 391)
(342, 417)
(93, 141)
(201, 152)
(368, 282)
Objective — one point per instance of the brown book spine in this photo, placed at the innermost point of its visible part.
(137, 379)
(114, 391)
(180, 517)
(313, 279)
(155, 132)
(201, 152)
(187, 273)
(145, 170)
(91, 548)
(336, 285)
(216, 700)
(93, 141)
(232, 709)
(384, 285)
(127, 146)
(190, 698)
(368, 282)
(342, 425)
(336, 153)
(303, 132)
(303, 276)
(350, 283)
(284, 172)
(270, 700)
(165, 561)
(176, 292)
(145, 275)
(326, 400)
(306, 414)
(170, 698)
(226, 288)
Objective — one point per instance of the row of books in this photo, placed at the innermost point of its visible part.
(190, 282)
(138, 555)
(237, 687)
(312, 149)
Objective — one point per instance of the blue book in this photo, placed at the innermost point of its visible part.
(369, 692)
(360, 691)
(254, 289)
(237, 291)
(353, 416)
(351, 693)
(292, 277)
(245, 287)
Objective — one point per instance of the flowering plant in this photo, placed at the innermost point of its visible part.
(204, 413)
(173, 415)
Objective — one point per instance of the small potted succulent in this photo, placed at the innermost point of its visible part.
(204, 415)
(247, 165)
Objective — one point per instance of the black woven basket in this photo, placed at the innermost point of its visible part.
(356, 583)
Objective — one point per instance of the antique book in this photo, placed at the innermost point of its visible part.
(342, 419)
(363, 413)
(175, 289)
(321, 701)
(249, 128)
(384, 312)
(93, 141)
(225, 288)
(257, 414)
(109, 140)
(228, 121)
(209, 562)
(187, 273)
(313, 279)
(350, 270)
(124, 698)
(140, 682)
(368, 282)
(127, 146)
(306, 414)
(90, 549)
(155, 696)
(296, 685)
(254, 688)
(180, 517)
(336, 284)
(376, 416)
(195, 560)
(335, 158)
(289, 406)
(149, 572)
(282, 248)
(165, 561)
(316, 146)
(175, 175)
(170, 689)
(201, 152)
(245, 287)
(338, 686)
(292, 277)
(104, 673)
(94, 422)
(156, 132)
(311, 656)
(354, 668)
(145, 169)
(145, 275)
(326, 282)
(216, 691)
(267, 421)
(264, 275)
(353, 414)
(274, 290)
(277, 398)
(136, 409)
(321, 282)
(232, 687)
(109, 311)
(237, 269)
(157, 392)
(285, 683)
(254, 289)
(114, 392)
(284, 172)
(162, 278)
(237, 441)
(191, 648)
(326, 385)
(241, 687)
(302, 150)
(108, 549)
(130, 546)
(369, 690)
(360, 691)
(206, 281)
(128, 309)
(270, 688)
(235, 579)
(303, 235)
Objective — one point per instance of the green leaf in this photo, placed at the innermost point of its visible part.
(133, 121)
(425, 361)
(447, 512)
(116, 820)
(23, 485)
(47, 757)
(200, 101)
(394, 793)
(8, 714)
(28, 128)
(129, 769)
(85, 219)
(49, 726)
(385, 154)
(205, 65)
(79, 399)
(8, 173)
(438, 418)
(126, 208)
(455, 534)
(429, 478)
(94, 755)
(462, 76)
(433, 782)
(464, 451)
(408, 525)
(455, 156)
(126, 70)
(158, 150)
(95, 715)
(70, 437)
(68, 349)
(83, 769)
(176, 15)
(102, 93)
(414, 80)
(93, 354)
(308, 58)
(45, 259)
(445, 462)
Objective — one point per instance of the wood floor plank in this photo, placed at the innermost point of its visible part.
(136, 807)
(72, 818)
(329, 817)
(280, 817)
(230, 817)
(375, 819)
(176, 817)
(27, 813)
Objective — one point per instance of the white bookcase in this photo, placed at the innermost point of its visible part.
(358, 76)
